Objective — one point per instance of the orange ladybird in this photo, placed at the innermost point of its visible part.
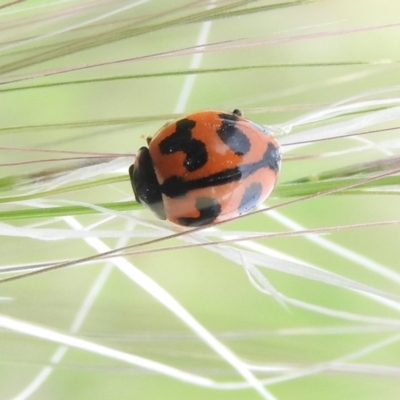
(207, 167)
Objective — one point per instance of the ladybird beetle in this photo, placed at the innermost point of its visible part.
(207, 167)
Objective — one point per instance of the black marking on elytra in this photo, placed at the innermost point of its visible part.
(177, 187)
(251, 197)
(145, 184)
(208, 208)
(182, 140)
(273, 157)
(232, 136)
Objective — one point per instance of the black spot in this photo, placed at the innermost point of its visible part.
(272, 158)
(233, 137)
(176, 187)
(145, 184)
(182, 140)
(250, 198)
(208, 208)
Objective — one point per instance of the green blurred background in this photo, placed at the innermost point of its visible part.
(38, 47)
